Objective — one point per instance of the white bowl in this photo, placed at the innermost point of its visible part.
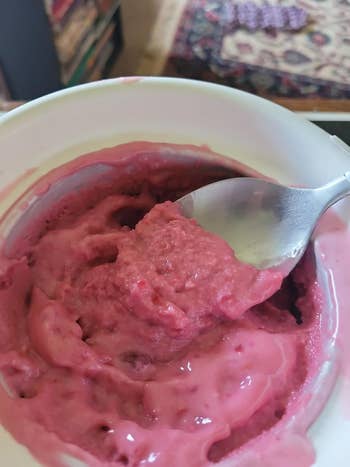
(46, 132)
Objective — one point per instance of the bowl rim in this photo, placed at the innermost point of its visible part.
(105, 85)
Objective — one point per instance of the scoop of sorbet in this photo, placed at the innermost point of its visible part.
(156, 287)
(147, 340)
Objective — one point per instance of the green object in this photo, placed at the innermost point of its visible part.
(80, 70)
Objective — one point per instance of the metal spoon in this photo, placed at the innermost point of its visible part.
(267, 225)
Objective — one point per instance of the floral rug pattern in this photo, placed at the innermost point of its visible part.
(312, 62)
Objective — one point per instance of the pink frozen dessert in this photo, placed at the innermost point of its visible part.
(133, 335)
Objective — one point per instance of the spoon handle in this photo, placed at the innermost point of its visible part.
(334, 190)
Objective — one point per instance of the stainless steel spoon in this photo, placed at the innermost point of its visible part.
(267, 225)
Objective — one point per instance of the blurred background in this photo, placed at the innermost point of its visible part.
(296, 52)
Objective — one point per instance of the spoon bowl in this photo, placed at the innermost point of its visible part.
(267, 225)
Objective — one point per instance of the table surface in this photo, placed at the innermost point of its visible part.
(313, 105)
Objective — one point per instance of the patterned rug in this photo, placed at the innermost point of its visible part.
(312, 62)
